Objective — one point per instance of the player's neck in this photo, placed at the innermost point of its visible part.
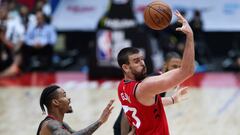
(128, 77)
(56, 115)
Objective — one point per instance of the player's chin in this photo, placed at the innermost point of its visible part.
(144, 71)
(70, 110)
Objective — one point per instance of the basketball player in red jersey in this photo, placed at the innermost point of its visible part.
(57, 103)
(172, 61)
(139, 95)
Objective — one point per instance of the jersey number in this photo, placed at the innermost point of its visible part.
(134, 112)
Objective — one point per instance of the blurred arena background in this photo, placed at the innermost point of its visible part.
(76, 47)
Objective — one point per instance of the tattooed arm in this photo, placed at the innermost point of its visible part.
(55, 127)
(68, 128)
(89, 130)
(104, 117)
(86, 131)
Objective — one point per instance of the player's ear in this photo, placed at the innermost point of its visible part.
(125, 67)
(55, 102)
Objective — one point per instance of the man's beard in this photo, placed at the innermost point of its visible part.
(70, 110)
(140, 76)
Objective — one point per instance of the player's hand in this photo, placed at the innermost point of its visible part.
(180, 94)
(106, 112)
(186, 29)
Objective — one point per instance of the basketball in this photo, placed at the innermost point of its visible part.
(157, 15)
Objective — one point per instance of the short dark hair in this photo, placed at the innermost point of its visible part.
(47, 95)
(171, 55)
(124, 53)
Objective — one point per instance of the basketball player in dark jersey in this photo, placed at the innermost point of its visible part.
(57, 104)
(172, 61)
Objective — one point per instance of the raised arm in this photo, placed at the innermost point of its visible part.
(54, 127)
(151, 86)
(104, 117)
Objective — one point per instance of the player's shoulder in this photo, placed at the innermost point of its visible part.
(54, 127)
(51, 124)
(130, 83)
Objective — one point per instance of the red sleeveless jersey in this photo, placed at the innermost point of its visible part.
(148, 120)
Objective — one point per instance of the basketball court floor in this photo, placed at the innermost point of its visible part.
(207, 111)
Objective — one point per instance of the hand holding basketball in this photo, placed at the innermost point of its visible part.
(185, 26)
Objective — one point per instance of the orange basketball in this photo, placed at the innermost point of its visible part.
(157, 15)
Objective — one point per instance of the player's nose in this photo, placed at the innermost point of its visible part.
(142, 62)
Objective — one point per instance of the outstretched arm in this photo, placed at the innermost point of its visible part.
(151, 86)
(90, 129)
(55, 127)
(104, 117)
